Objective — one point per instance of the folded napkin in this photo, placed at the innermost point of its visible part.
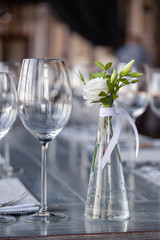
(11, 188)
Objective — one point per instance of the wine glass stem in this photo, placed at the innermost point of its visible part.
(44, 147)
(131, 162)
(7, 155)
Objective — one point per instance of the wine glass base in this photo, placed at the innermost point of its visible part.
(9, 171)
(6, 219)
(47, 217)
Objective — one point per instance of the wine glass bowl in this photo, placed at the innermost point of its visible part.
(154, 91)
(134, 98)
(8, 112)
(45, 102)
(11, 67)
(7, 169)
(8, 103)
(44, 98)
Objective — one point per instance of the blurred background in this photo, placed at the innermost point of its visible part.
(81, 32)
(77, 30)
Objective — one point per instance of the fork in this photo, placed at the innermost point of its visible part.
(13, 202)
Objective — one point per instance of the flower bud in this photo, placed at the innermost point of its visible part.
(113, 76)
(127, 68)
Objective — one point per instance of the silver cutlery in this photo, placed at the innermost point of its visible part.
(14, 201)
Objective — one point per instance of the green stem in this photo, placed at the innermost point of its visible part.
(94, 157)
(98, 140)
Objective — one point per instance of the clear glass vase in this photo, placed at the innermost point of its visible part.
(106, 197)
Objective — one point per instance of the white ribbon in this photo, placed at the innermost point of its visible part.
(111, 112)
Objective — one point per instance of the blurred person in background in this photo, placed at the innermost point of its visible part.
(148, 122)
(133, 49)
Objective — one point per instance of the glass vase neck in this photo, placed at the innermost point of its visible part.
(106, 106)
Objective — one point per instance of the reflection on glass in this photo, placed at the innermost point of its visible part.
(8, 170)
(154, 90)
(8, 111)
(134, 98)
(44, 107)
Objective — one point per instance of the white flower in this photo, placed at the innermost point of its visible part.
(93, 88)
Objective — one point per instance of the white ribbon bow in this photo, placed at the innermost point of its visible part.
(111, 112)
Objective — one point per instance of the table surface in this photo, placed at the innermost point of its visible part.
(68, 173)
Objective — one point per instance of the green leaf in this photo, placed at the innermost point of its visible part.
(134, 81)
(102, 94)
(135, 74)
(108, 76)
(99, 74)
(115, 96)
(95, 75)
(92, 76)
(81, 77)
(97, 101)
(104, 100)
(124, 80)
(122, 85)
(109, 84)
(108, 65)
(100, 65)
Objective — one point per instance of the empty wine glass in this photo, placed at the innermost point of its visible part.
(13, 67)
(134, 98)
(8, 111)
(45, 102)
(154, 91)
(7, 169)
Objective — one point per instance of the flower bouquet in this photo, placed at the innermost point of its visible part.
(107, 197)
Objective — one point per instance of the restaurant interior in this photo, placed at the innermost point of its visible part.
(81, 37)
